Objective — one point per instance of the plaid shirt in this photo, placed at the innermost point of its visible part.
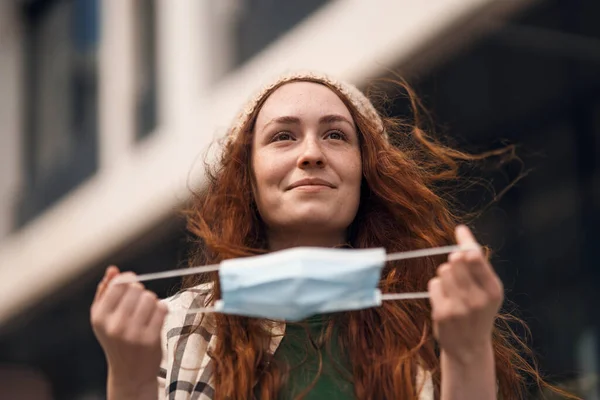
(186, 371)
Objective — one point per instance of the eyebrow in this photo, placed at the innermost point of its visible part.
(325, 119)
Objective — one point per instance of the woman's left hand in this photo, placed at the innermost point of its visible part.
(465, 296)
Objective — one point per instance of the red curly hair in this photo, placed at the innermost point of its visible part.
(401, 208)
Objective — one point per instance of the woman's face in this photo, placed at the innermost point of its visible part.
(306, 161)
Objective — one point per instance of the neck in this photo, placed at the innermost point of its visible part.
(285, 240)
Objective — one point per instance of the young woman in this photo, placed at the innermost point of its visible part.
(310, 162)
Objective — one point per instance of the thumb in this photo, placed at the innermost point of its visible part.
(110, 273)
(464, 237)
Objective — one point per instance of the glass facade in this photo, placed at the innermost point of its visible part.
(261, 22)
(61, 115)
(146, 68)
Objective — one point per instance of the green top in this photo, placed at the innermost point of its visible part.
(302, 357)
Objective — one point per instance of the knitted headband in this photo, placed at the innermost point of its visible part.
(355, 96)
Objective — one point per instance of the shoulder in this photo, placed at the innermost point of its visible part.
(195, 296)
(186, 339)
(178, 321)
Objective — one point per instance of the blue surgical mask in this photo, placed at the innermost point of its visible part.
(297, 283)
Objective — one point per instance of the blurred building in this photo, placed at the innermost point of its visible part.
(109, 107)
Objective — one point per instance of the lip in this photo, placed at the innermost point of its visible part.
(310, 182)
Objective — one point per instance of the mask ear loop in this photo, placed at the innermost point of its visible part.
(416, 254)
(202, 269)
(384, 297)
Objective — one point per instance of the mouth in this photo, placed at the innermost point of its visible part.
(311, 182)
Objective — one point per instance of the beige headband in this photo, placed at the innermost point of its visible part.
(355, 96)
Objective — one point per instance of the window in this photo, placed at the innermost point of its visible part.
(61, 43)
(261, 22)
(145, 73)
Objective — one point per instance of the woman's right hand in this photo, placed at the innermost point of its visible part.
(127, 321)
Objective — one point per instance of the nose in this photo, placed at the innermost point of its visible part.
(311, 154)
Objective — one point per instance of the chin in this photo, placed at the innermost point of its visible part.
(320, 220)
(315, 217)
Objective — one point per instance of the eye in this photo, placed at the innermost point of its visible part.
(281, 136)
(336, 135)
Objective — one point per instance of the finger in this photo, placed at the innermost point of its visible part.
(115, 293)
(109, 274)
(100, 289)
(124, 278)
(477, 263)
(124, 311)
(145, 308)
(464, 237)
(450, 287)
(482, 271)
(436, 294)
(460, 272)
(478, 267)
(111, 298)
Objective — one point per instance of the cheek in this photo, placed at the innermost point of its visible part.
(350, 169)
(266, 175)
(267, 178)
(355, 172)
(356, 179)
